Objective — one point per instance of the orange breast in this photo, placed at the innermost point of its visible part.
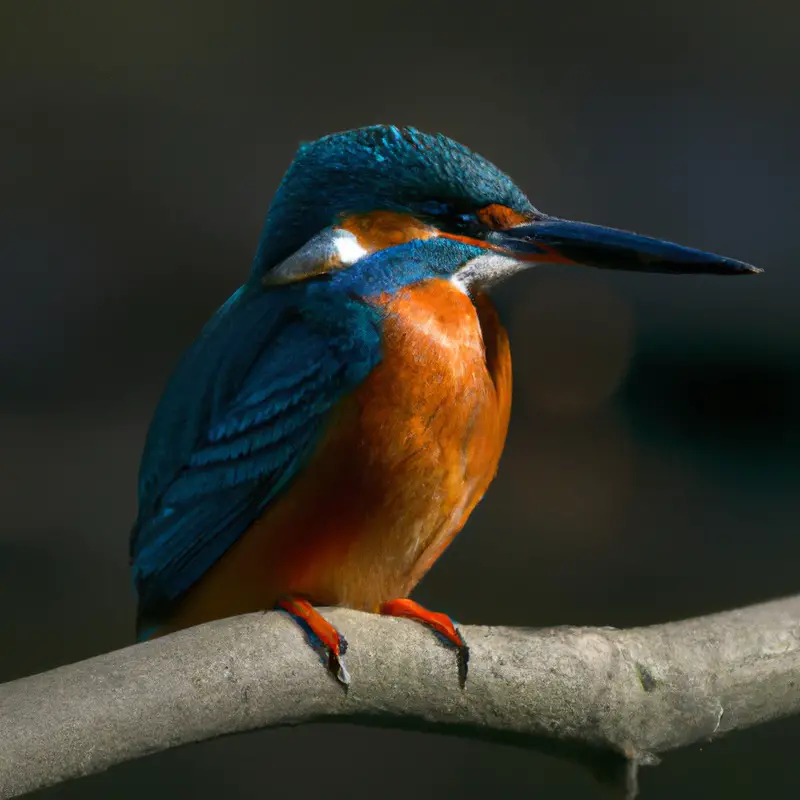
(404, 461)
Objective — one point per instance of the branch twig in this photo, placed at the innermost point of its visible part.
(574, 691)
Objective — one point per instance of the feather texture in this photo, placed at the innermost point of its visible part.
(380, 167)
(238, 419)
(278, 374)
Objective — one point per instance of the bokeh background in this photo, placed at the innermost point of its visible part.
(652, 462)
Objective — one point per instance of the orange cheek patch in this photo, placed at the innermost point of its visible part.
(497, 216)
(381, 229)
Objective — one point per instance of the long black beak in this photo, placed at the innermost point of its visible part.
(549, 240)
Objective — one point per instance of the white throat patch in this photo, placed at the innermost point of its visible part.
(487, 269)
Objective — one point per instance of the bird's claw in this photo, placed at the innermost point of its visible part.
(445, 629)
(323, 637)
(462, 659)
(336, 665)
(455, 640)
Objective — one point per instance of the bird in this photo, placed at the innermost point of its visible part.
(337, 420)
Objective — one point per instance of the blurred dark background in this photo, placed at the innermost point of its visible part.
(652, 461)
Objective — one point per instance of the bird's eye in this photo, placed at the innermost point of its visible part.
(463, 222)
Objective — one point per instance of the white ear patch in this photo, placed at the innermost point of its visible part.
(330, 249)
(487, 269)
(348, 247)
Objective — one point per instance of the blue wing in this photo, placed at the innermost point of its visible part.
(240, 415)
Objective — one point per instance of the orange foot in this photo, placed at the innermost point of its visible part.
(322, 636)
(441, 625)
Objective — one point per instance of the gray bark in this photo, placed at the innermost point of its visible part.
(598, 695)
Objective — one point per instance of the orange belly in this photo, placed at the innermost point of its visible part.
(404, 461)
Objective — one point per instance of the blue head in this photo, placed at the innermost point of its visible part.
(378, 168)
(434, 189)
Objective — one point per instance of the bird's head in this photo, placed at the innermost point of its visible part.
(351, 195)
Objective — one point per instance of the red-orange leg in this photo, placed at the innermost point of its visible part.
(440, 624)
(322, 636)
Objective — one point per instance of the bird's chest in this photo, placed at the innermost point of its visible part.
(405, 458)
(432, 421)
(432, 397)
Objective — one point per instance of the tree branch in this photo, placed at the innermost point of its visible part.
(581, 692)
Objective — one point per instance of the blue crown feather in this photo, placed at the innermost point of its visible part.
(381, 167)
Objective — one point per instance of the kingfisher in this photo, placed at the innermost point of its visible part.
(339, 417)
